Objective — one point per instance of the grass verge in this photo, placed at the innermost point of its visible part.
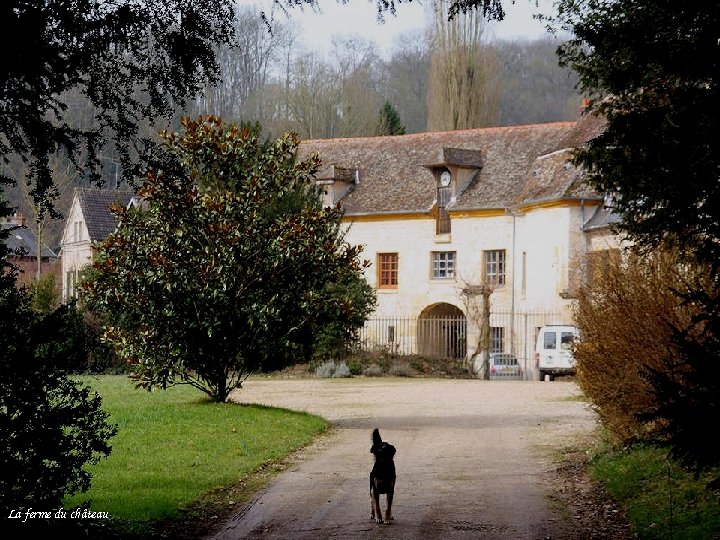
(662, 501)
(177, 455)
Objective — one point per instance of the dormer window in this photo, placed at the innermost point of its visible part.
(335, 182)
(444, 194)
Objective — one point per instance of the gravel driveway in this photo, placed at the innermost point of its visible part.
(475, 459)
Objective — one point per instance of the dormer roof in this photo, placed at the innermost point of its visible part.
(457, 157)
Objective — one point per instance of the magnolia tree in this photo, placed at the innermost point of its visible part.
(225, 265)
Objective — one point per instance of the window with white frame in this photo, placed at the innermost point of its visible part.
(443, 263)
(70, 284)
(494, 267)
(497, 339)
(77, 231)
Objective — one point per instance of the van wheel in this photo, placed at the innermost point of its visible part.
(542, 375)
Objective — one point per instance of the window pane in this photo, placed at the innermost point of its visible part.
(549, 340)
(496, 339)
(495, 267)
(442, 224)
(566, 340)
(443, 264)
(387, 269)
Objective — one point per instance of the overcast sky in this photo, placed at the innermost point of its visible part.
(359, 17)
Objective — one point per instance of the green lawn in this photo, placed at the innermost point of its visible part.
(173, 447)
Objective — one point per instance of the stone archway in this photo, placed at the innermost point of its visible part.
(442, 331)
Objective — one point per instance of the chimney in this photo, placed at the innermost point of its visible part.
(17, 219)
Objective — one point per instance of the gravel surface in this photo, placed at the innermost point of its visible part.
(475, 459)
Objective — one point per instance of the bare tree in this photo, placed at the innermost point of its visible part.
(358, 77)
(246, 67)
(476, 301)
(463, 90)
(535, 87)
(405, 79)
(313, 98)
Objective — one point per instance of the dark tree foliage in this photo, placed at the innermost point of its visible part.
(50, 426)
(652, 68)
(389, 122)
(133, 61)
(489, 8)
(225, 265)
(334, 330)
(688, 393)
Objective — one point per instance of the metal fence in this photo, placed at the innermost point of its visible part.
(456, 337)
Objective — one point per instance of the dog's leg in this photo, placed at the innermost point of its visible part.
(375, 496)
(372, 506)
(388, 510)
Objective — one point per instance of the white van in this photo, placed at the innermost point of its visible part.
(554, 350)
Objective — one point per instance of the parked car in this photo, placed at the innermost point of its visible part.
(555, 351)
(504, 366)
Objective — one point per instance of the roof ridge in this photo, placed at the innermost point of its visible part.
(490, 129)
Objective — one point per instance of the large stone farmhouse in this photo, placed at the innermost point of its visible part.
(444, 216)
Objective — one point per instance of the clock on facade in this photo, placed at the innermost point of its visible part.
(445, 178)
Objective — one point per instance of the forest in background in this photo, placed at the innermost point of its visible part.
(444, 78)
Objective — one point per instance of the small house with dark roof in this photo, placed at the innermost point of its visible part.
(24, 251)
(89, 221)
(443, 214)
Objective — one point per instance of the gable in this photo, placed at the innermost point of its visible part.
(95, 205)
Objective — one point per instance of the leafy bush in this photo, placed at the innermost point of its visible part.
(335, 327)
(333, 370)
(373, 370)
(51, 426)
(627, 319)
(402, 369)
(354, 367)
(44, 294)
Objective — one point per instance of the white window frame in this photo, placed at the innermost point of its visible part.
(444, 264)
(494, 263)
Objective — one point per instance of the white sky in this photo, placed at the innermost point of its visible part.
(359, 17)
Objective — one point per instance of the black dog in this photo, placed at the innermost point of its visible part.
(382, 477)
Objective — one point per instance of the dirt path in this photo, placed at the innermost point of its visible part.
(474, 460)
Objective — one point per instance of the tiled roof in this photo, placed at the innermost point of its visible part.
(24, 239)
(518, 164)
(603, 218)
(95, 205)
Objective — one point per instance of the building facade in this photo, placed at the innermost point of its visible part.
(452, 220)
(89, 220)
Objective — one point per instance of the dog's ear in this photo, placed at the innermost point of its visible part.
(377, 441)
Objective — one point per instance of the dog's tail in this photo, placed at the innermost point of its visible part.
(377, 441)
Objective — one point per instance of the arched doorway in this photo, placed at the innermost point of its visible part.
(442, 331)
